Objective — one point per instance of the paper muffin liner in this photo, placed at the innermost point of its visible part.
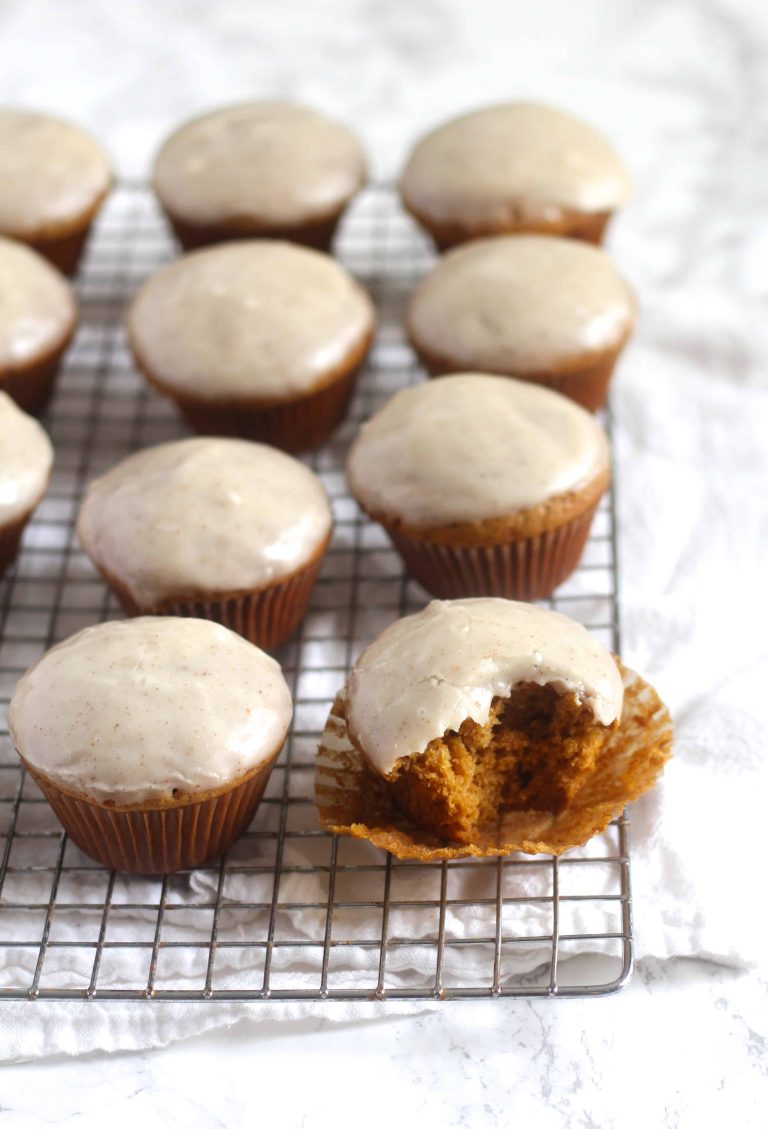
(266, 617)
(587, 386)
(353, 800)
(317, 233)
(66, 251)
(146, 839)
(293, 426)
(590, 228)
(526, 569)
(10, 540)
(33, 387)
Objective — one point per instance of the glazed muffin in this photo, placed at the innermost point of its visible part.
(478, 728)
(548, 310)
(258, 339)
(487, 486)
(259, 169)
(26, 458)
(471, 708)
(54, 177)
(38, 316)
(216, 529)
(520, 167)
(152, 739)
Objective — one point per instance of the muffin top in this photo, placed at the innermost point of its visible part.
(150, 709)
(204, 515)
(250, 320)
(516, 163)
(52, 173)
(520, 303)
(37, 307)
(429, 672)
(471, 447)
(26, 458)
(272, 162)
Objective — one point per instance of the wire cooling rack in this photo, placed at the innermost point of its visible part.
(291, 912)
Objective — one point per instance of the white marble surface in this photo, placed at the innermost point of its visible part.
(680, 86)
(683, 1046)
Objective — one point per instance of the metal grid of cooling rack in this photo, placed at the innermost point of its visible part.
(291, 912)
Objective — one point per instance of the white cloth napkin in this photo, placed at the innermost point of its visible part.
(692, 441)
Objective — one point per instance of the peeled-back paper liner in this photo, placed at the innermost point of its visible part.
(353, 800)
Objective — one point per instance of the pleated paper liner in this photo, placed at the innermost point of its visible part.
(65, 248)
(10, 540)
(147, 839)
(587, 385)
(317, 233)
(528, 568)
(588, 227)
(353, 800)
(265, 617)
(292, 425)
(33, 387)
(65, 251)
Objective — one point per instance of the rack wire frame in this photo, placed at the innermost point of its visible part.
(58, 909)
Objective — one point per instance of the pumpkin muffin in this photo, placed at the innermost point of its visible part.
(548, 310)
(152, 739)
(471, 708)
(258, 339)
(478, 728)
(54, 177)
(487, 486)
(520, 167)
(26, 458)
(215, 529)
(38, 316)
(259, 169)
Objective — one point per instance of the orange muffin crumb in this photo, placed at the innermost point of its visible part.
(533, 754)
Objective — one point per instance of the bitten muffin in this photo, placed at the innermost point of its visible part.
(216, 529)
(38, 316)
(513, 168)
(54, 177)
(26, 458)
(548, 310)
(258, 169)
(258, 339)
(486, 486)
(475, 707)
(152, 739)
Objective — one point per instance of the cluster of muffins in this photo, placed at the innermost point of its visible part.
(153, 738)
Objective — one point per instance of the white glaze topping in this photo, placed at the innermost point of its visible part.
(204, 516)
(520, 303)
(429, 672)
(472, 447)
(257, 318)
(129, 711)
(37, 306)
(521, 162)
(51, 173)
(26, 457)
(274, 162)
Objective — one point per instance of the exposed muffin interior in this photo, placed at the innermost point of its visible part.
(534, 753)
